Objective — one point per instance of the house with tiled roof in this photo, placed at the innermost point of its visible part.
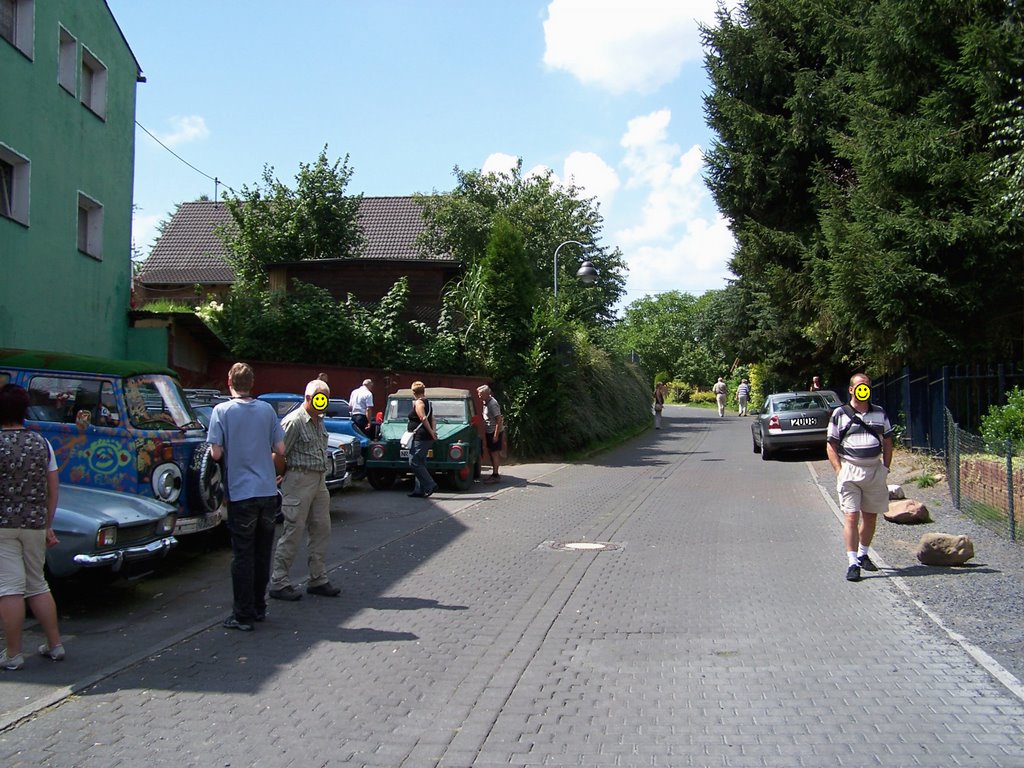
(190, 257)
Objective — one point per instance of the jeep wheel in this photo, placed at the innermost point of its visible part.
(381, 479)
(461, 479)
(205, 482)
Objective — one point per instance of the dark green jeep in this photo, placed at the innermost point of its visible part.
(455, 454)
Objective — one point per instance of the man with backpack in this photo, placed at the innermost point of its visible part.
(860, 450)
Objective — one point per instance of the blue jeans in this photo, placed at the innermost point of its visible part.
(251, 524)
(418, 461)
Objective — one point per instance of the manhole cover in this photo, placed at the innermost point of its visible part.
(582, 546)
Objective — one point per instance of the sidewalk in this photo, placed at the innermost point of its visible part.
(717, 630)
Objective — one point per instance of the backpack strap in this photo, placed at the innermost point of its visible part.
(856, 419)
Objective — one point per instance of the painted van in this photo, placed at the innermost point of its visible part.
(121, 425)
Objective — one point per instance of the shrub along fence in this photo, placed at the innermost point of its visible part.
(985, 486)
(919, 398)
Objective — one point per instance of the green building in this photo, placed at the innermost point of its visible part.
(67, 159)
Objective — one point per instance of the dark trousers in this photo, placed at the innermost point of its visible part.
(251, 524)
(418, 463)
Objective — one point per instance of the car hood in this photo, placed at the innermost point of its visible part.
(109, 506)
(395, 429)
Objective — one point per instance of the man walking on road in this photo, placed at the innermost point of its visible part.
(245, 432)
(721, 389)
(742, 396)
(307, 503)
(493, 429)
(860, 450)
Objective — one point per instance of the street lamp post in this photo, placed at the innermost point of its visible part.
(587, 273)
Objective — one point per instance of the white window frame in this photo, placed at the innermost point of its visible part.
(24, 27)
(67, 61)
(21, 177)
(94, 83)
(90, 226)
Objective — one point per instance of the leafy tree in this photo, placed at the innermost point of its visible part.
(853, 143)
(274, 223)
(546, 214)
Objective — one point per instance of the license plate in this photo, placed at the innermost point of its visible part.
(806, 422)
(403, 453)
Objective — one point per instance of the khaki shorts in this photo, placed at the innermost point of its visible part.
(22, 555)
(863, 489)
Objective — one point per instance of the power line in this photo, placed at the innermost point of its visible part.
(214, 179)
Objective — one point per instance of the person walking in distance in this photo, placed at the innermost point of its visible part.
(494, 429)
(859, 449)
(743, 396)
(659, 403)
(421, 423)
(245, 433)
(721, 390)
(815, 383)
(307, 502)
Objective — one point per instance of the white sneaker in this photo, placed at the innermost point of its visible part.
(11, 662)
(56, 653)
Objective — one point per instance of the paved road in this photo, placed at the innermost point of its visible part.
(718, 632)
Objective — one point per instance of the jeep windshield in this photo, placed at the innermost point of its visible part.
(445, 411)
(155, 401)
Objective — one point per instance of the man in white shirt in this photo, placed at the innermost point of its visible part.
(360, 403)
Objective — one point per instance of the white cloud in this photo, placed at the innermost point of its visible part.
(499, 162)
(593, 175)
(184, 130)
(678, 241)
(624, 45)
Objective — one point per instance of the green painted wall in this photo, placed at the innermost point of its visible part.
(52, 296)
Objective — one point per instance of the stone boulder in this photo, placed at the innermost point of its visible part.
(944, 549)
(907, 512)
(896, 492)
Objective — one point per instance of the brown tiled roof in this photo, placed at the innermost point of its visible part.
(190, 252)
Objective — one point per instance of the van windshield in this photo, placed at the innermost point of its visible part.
(155, 401)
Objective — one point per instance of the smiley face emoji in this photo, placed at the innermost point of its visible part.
(862, 392)
(320, 401)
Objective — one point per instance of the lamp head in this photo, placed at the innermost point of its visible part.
(587, 273)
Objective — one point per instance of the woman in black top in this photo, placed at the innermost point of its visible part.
(421, 420)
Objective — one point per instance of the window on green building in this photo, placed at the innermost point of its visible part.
(14, 185)
(90, 226)
(16, 24)
(94, 83)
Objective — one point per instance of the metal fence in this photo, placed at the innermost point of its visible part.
(918, 398)
(986, 485)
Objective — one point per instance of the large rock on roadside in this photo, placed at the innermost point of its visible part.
(907, 512)
(944, 549)
(896, 492)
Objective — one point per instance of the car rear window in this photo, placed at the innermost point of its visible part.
(802, 403)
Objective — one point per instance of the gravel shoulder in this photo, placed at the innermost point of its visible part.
(984, 600)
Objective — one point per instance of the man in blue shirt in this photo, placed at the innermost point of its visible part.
(245, 433)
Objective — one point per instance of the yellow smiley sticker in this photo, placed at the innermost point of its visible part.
(320, 401)
(862, 392)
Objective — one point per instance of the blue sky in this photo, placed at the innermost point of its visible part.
(606, 93)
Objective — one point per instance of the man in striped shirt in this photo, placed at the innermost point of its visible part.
(860, 450)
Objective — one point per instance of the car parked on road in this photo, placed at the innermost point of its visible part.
(791, 420)
(455, 455)
(121, 425)
(103, 530)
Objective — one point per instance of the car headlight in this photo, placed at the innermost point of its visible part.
(377, 451)
(456, 451)
(352, 450)
(167, 482)
(106, 536)
(166, 524)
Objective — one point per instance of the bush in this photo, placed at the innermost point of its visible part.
(1005, 422)
(700, 398)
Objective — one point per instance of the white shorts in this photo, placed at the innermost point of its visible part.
(22, 556)
(863, 489)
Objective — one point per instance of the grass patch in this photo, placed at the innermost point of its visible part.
(925, 481)
(167, 305)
